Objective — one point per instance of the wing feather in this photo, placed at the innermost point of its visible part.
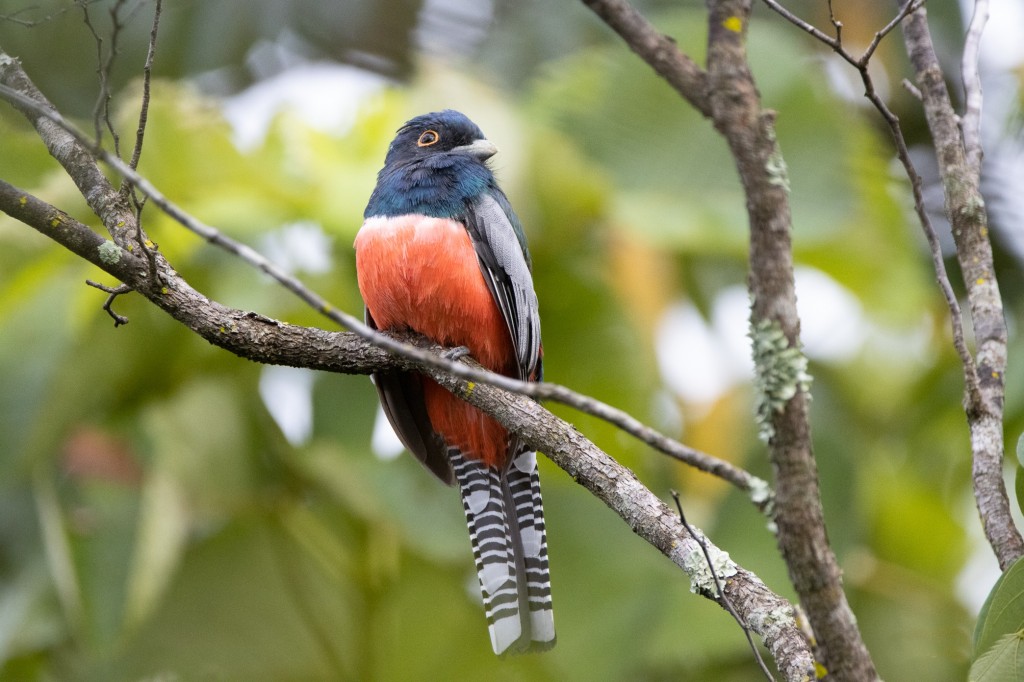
(506, 269)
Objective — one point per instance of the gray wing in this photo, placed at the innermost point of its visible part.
(506, 268)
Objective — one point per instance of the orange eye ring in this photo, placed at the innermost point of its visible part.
(428, 138)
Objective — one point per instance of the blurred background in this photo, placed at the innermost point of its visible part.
(171, 512)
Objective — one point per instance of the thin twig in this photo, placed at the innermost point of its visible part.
(835, 43)
(903, 153)
(756, 488)
(147, 75)
(114, 293)
(970, 122)
(101, 110)
(836, 24)
(912, 89)
(959, 159)
(723, 598)
(13, 18)
(148, 247)
(934, 246)
(900, 16)
(74, 157)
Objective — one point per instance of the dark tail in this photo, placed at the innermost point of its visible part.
(506, 529)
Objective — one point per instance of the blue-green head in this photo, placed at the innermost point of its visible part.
(436, 164)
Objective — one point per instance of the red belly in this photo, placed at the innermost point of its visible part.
(422, 274)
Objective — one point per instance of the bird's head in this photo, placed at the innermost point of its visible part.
(439, 132)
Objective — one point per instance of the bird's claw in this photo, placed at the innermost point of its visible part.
(455, 354)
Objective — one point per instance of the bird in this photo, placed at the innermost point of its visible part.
(442, 253)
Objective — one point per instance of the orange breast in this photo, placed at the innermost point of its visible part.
(421, 273)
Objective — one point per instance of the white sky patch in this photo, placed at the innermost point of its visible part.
(913, 345)
(1001, 46)
(845, 80)
(700, 360)
(665, 409)
(385, 442)
(832, 323)
(981, 570)
(730, 319)
(692, 357)
(326, 96)
(288, 394)
(299, 247)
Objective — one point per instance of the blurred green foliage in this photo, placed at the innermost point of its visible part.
(156, 524)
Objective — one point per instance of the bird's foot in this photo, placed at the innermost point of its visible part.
(455, 354)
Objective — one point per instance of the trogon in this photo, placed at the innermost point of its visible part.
(442, 253)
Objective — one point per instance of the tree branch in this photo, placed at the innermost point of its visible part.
(968, 218)
(658, 50)
(970, 123)
(775, 329)
(72, 155)
(959, 159)
(732, 102)
(903, 153)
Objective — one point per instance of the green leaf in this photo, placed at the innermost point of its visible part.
(1003, 612)
(1004, 662)
(1018, 483)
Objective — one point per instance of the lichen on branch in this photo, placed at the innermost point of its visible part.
(780, 370)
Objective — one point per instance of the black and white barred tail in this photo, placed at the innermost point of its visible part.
(506, 529)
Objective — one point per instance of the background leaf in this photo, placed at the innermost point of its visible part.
(1003, 662)
(1003, 612)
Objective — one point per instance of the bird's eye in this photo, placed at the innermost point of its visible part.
(428, 138)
